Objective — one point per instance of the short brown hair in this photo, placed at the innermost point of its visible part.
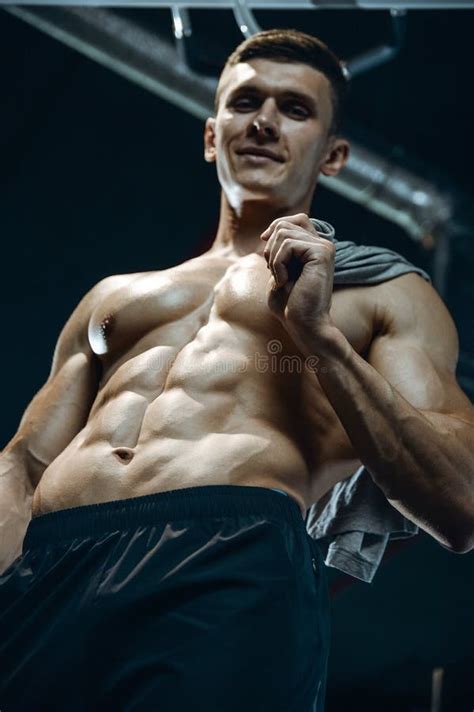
(294, 46)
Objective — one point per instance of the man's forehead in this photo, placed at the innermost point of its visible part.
(269, 75)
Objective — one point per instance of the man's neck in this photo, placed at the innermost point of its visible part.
(239, 232)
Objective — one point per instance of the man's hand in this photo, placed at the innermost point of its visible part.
(300, 289)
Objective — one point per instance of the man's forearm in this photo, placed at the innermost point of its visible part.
(16, 495)
(425, 470)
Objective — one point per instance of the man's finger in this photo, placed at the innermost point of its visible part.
(300, 219)
(284, 233)
(290, 249)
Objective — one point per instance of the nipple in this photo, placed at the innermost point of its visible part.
(99, 334)
(124, 454)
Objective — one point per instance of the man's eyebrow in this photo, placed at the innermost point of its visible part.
(286, 93)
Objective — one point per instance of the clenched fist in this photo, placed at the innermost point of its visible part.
(301, 261)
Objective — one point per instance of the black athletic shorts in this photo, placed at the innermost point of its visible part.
(205, 599)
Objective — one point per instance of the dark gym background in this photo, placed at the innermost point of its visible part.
(100, 177)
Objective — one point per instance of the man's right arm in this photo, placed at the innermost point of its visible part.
(55, 415)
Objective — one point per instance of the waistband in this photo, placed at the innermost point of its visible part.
(197, 503)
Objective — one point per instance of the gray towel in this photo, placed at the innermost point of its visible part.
(355, 521)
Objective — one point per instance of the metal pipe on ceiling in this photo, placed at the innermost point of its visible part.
(245, 18)
(264, 4)
(379, 184)
(181, 30)
(382, 54)
(355, 66)
(181, 22)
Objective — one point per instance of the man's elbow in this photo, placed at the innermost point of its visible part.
(461, 539)
(459, 547)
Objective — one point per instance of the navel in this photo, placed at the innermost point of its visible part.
(123, 454)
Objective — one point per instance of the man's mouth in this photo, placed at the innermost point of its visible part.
(262, 153)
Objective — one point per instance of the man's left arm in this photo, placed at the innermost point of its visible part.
(408, 420)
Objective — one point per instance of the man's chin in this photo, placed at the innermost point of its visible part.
(257, 196)
(257, 189)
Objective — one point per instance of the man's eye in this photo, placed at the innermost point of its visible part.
(297, 110)
(244, 103)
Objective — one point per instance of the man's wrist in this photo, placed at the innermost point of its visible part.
(328, 344)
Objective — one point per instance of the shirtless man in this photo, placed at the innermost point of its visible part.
(193, 582)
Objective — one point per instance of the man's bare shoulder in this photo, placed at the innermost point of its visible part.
(98, 292)
(408, 307)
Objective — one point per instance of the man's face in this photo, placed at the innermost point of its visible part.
(281, 108)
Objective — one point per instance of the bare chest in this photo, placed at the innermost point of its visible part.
(203, 298)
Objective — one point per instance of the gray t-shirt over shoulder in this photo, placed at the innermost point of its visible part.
(355, 520)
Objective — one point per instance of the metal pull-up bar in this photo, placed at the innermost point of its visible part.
(264, 4)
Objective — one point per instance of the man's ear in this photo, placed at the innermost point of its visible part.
(210, 140)
(336, 156)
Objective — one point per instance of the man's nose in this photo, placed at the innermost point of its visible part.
(265, 124)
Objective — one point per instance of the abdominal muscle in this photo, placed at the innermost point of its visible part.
(195, 432)
(99, 472)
